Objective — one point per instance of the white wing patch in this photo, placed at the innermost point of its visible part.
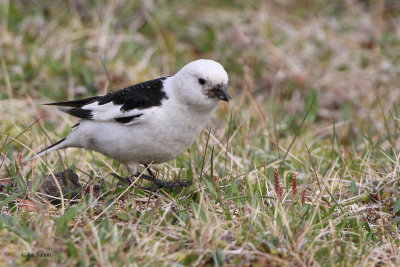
(110, 111)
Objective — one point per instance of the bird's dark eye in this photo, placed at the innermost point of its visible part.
(202, 81)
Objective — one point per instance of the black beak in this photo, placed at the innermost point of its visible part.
(222, 92)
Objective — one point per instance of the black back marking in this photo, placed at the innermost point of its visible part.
(139, 96)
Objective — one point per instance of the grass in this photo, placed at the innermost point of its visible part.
(301, 168)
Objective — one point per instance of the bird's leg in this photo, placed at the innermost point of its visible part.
(161, 183)
(133, 170)
(129, 179)
(150, 172)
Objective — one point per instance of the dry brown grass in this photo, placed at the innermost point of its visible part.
(315, 89)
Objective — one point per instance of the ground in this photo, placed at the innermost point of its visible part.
(301, 168)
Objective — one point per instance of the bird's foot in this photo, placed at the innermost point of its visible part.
(126, 180)
(159, 184)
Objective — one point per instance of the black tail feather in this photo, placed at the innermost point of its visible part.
(75, 103)
(53, 145)
(80, 113)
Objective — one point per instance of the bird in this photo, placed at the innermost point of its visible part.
(151, 122)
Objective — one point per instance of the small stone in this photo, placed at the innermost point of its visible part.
(69, 184)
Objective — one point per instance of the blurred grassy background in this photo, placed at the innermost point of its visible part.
(276, 52)
(336, 61)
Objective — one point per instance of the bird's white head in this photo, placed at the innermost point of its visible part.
(202, 83)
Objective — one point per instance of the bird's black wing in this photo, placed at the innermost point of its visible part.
(125, 105)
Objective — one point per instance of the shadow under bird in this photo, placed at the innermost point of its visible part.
(149, 122)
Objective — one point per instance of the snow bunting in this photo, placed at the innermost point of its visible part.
(150, 122)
